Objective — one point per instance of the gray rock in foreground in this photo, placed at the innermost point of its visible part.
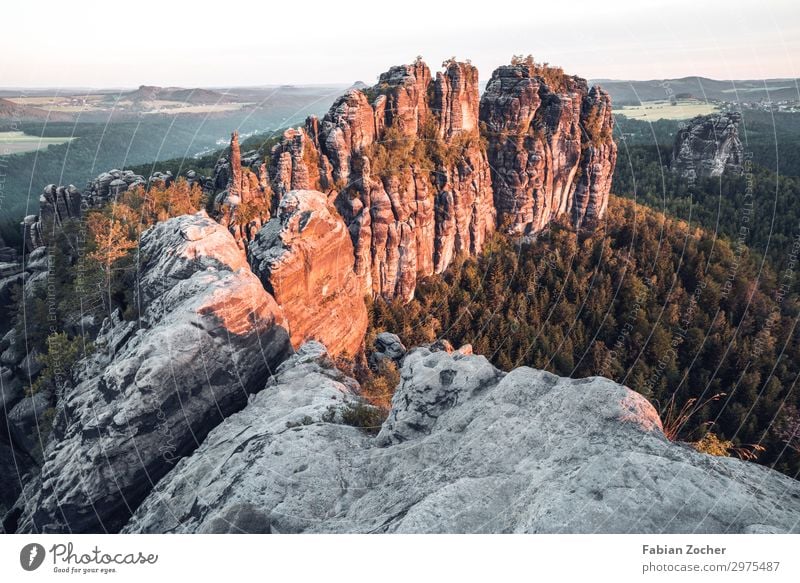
(208, 335)
(466, 448)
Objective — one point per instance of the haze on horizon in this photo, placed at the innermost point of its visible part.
(89, 43)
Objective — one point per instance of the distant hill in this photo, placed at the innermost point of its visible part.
(10, 111)
(634, 92)
(195, 96)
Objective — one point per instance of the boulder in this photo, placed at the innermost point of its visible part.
(208, 335)
(466, 448)
(13, 467)
(387, 346)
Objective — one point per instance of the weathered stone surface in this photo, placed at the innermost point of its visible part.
(245, 205)
(56, 205)
(422, 170)
(411, 220)
(709, 146)
(387, 346)
(550, 146)
(598, 159)
(304, 257)
(11, 390)
(456, 99)
(29, 424)
(302, 404)
(466, 448)
(208, 335)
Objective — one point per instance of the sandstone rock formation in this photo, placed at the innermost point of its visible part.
(60, 204)
(304, 258)
(208, 336)
(422, 169)
(387, 347)
(57, 205)
(408, 175)
(709, 146)
(245, 204)
(550, 146)
(466, 448)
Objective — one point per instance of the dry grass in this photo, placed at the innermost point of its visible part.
(711, 444)
(674, 418)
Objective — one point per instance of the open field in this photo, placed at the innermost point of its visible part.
(61, 103)
(109, 102)
(161, 106)
(655, 110)
(20, 142)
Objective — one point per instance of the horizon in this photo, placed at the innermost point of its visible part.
(211, 48)
(345, 84)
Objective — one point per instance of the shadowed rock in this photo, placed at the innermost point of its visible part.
(208, 335)
(709, 146)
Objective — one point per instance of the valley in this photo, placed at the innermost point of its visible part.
(492, 289)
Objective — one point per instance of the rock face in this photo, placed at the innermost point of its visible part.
(245, 204)
(208, 336)
(709, 146)
(422, 169)
(407, 172)
(466, 448)
(550, 146)
(56, 205)
(304, 258)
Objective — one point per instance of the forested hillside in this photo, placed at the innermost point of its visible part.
(647, 301)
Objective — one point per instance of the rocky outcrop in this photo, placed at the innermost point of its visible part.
(208, 336)
(304, 258)
(422, 169)
(244, 206)
(709, 146)
(466, 448)
(404, 164)
(109, 185)
(387, 347)
(598, 159)
(57, 205)
(60, 204)
(550, 146)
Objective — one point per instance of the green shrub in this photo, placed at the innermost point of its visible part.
(59, 361)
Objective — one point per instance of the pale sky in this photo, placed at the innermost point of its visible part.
(87, 43)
